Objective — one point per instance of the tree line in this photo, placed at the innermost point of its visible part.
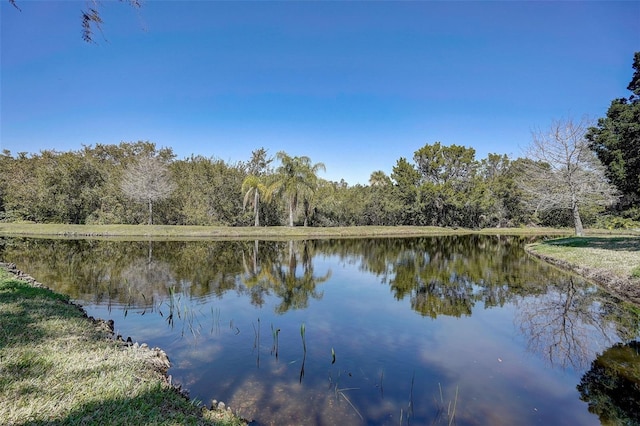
(572, 173)
(136, 182)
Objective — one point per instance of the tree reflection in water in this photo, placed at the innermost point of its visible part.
(611, 387)
(283, 277)
(560, 324)
(561, 319)
(568, 323)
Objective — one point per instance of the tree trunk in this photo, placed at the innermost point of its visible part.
(306, 212)
(292, 259)
(256, 200)
(255, 256)
(577, 222)
(291, 212)
(150, 212)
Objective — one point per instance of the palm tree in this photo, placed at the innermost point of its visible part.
(252, 185)
(379, 178)
(296, 178)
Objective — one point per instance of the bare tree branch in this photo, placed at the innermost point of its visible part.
(90, 16)
(147, 181)
(13, 3)
(563, 172)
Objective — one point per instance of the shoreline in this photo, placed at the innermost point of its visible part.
(626, 288)
(154, 360)
(187, 232)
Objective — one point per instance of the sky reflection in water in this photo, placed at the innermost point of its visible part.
(421, 329)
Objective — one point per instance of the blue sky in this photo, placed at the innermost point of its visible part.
(355, 85)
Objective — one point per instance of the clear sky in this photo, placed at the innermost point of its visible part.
(355, 85)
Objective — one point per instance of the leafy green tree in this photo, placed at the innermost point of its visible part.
(616, 142)
(405, 175)
(19, 176)
(52, 186)
(381, 203)
(108, 161)
(208, 191)
(328, 204)
(504, 207)
(445, 164)
(314, 203)
(448, 188)
(259, 164)
(73, 186)
(6, 161)
(406, 180)
(296, 178)
(338, 204)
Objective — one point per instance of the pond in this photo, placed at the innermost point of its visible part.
(464, 330)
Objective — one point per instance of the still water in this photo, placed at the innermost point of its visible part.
(464, 330)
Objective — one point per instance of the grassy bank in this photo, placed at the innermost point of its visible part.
(58, 367)
(266, 232)
(611, 261)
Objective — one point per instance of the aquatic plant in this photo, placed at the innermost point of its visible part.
(340, 392)
(410, 408)
(215, 315)
(304, 347)
(256, 340)
(450, 413)
(275, 334)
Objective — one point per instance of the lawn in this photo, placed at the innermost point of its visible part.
(249, 232)
(620, 255)
(59, 367)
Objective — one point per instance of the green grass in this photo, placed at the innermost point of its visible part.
(249, 232)
(57, 367)
(618, 255)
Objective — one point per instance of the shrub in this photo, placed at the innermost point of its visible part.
(617, 222)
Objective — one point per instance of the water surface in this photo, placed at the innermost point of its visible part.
(464, 330)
